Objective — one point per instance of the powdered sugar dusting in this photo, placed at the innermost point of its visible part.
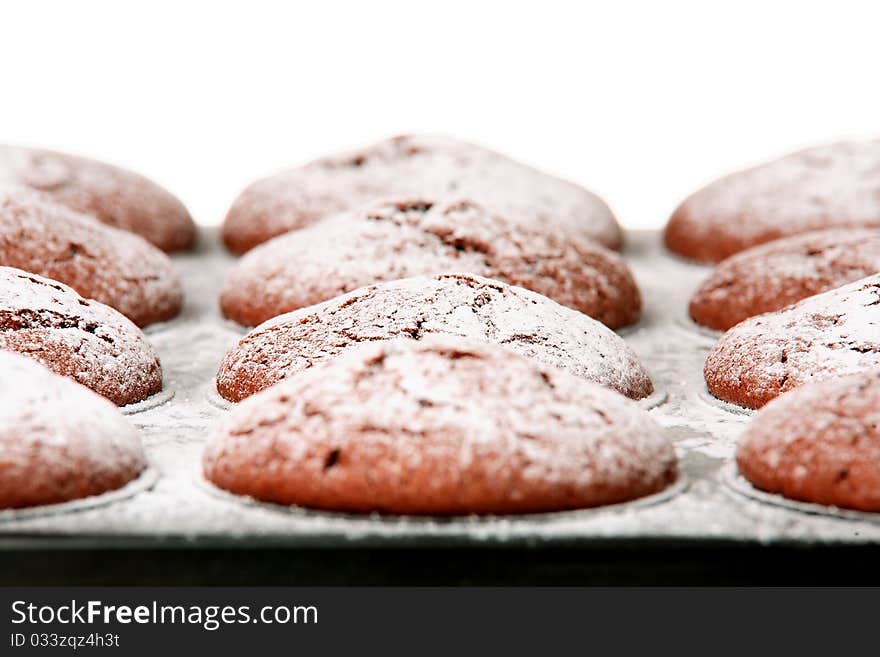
(410, 238)
(102, 263)
(177, 511)
(416, 167)
(826, 335)
(770, 276)
(823, 187)
(523, 436)
(80, 338)
(820, 443)
(57, 437)
(113, 195)
(457, 304)
(845, 410)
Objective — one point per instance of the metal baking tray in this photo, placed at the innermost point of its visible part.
(180, 513)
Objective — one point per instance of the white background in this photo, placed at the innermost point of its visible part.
(642, 102)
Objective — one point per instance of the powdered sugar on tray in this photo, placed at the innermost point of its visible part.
(177, 509)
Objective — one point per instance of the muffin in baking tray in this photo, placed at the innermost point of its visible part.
(399, 239)
(112, 195)
(413, 166)
(819, 443)
(821, 337)
(79, 338)
(831, 186)
(111, 266)
(771, 276)
(445, 425)
(455, 304)
(58, 440)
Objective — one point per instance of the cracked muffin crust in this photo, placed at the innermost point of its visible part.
(831, 186)
(441, 426)
(415, 167)
(820, 444)
(821, 337)
(111, 266)
(112, 195)
(58, 440)
(401, 239)
(771, 276)
(85, 340)
(456, 304)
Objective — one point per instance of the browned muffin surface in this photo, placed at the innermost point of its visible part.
(113, 195)
(439, 426)
(820, 443)
(111, 266)
(85, 340)
(771, 276)
(821, 337)
(59, 441)
(413, 166)
(831, 186)
(455, 304)
(411, 238)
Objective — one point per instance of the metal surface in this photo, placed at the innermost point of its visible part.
(182, 511)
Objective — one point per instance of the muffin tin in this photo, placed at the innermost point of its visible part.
(143, 482)
(180, 509)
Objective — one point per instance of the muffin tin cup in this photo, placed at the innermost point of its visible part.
(710, 400)
(738, 485)
(239, 329)
(216, 400)
(704, 430)
(158, 328)
(703, 334)
(144, 482)
(656, 399)
(693, 267)
(679, 486)
(632, 329)
(153, 401)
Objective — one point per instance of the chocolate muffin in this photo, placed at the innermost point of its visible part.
(771, 276)
(85, 340)
(58, 440)
(412, 238)
(111, 266)
(440, 426)
(832, 186)
(415, 167)
(455, 304)
(820, 443)
(821, 337)
(117, 197)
